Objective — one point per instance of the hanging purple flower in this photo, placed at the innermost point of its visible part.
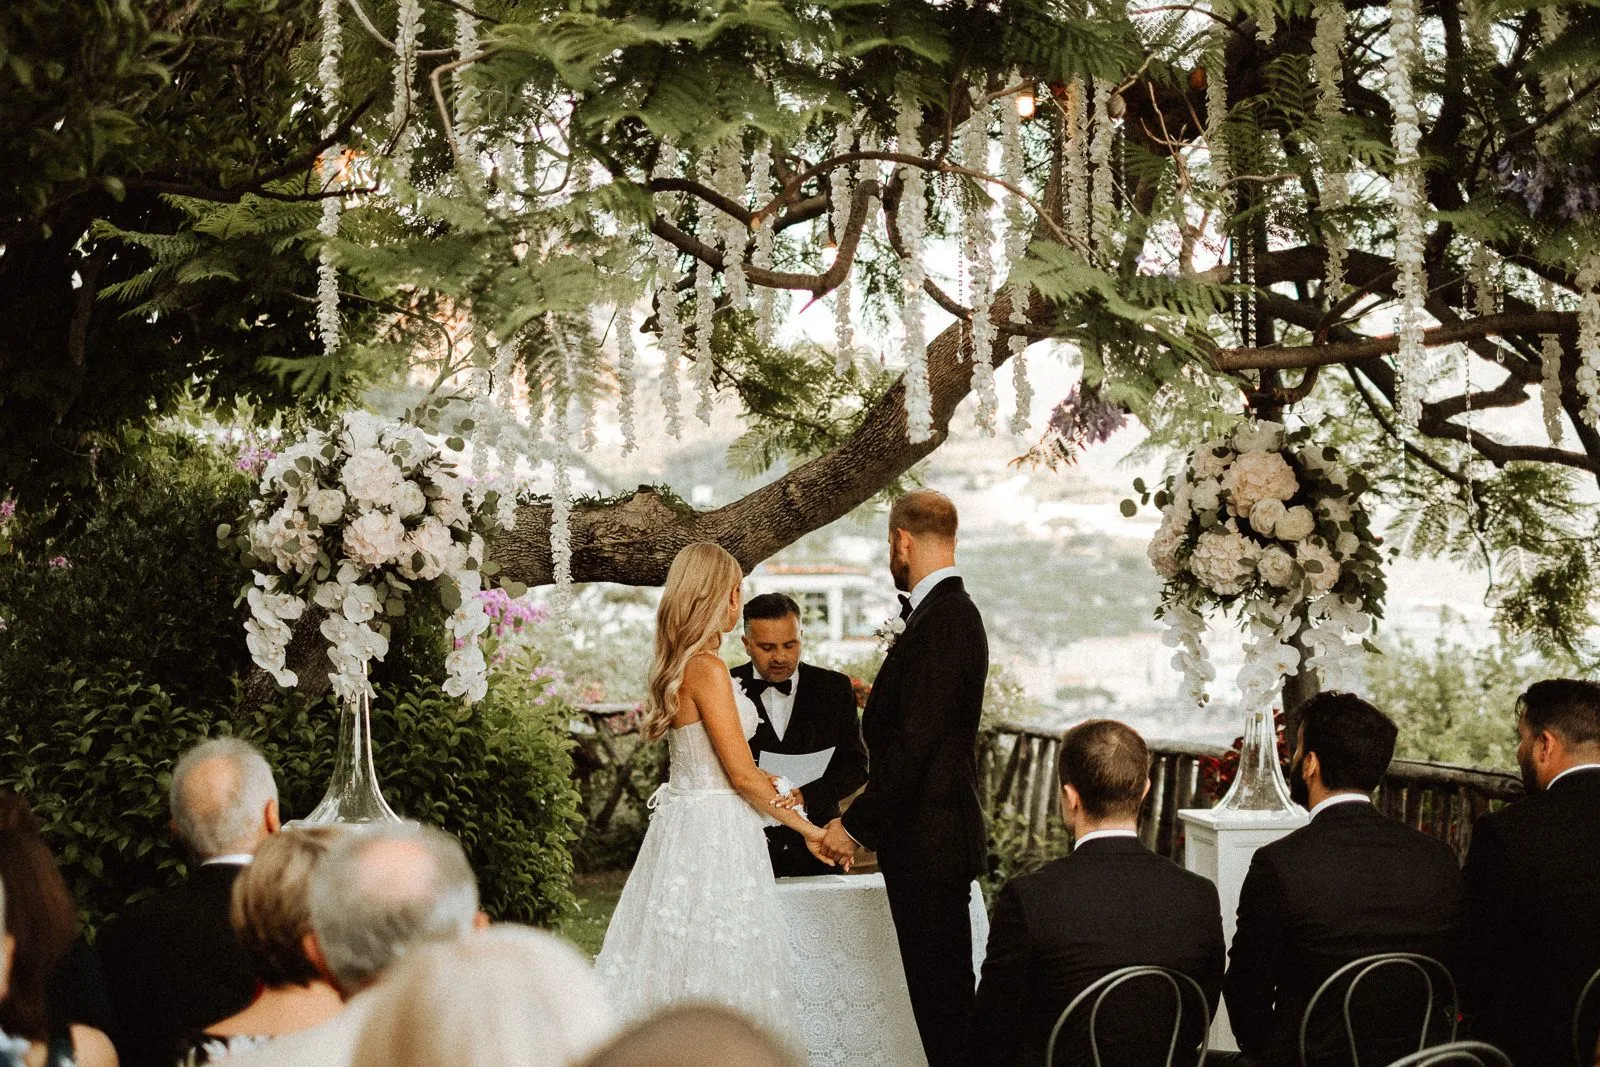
(1080, 420)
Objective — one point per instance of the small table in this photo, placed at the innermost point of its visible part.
(853, 1005)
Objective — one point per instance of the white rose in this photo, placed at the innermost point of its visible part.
(1266, 515)
(371, 476)
(376, 538)
(1325, 574)
(1347, 544)
(1163, 549)
(1206, 495)
(1260, 437)
(431, 541)
(1223, 561)
(362, 430)
(1336, 508)
(410, 500)
(291, 541)
(1277, 567)
(1212, 458)
(1257, 476)
(1296, 525)
(326, 505)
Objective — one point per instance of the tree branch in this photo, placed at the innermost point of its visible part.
(1287, 357)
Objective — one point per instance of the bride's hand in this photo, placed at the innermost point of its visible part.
(813, 838)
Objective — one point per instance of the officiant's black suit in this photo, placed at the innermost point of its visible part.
(173, 965)
(824, 716)
(1533, 919)
(920, 811)
(1111, 903)
(1351, 883)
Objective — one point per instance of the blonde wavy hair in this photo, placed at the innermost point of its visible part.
(693, 609)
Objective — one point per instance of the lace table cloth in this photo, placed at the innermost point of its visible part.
(853, 1004)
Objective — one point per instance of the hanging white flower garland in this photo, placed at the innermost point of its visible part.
(627, 375)
(844, 334)
(731, 182)
(761, 256)
(1589, 338)
(1550, 369)
(704, 308)
(1102, 209)
(1018, 219)
(1481, 279)
(978, 233)
(408, 27)
(1411, 281)
(913, 212)
(671, 324)
(329, 174)
(1327, 45)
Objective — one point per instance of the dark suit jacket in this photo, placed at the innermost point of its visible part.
(1533, 918)
(920, 811)
(1111, 903)
(173, 965)
(824, 716)
(1351, 883)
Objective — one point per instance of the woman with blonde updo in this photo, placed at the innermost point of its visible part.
(699, 918)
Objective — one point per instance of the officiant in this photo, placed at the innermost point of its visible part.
(810, 732)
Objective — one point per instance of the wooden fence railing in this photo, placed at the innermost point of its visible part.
(1017, 773)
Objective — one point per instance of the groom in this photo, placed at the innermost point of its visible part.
(920, 811)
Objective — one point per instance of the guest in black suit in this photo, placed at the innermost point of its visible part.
(173, 964)
(920, 811)
(1111, 903)
(1533, 882)
(804, 709)
(1351, 883)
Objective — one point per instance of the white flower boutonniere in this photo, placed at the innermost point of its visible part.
(888, 632)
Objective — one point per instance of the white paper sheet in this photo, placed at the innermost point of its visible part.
(801, 768)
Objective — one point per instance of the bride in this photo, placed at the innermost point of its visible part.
(699, 918)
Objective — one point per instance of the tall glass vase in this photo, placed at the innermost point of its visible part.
(353, 796)
(1258, 787)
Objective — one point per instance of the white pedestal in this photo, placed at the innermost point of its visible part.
(1219, 845)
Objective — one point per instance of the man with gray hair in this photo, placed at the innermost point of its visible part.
(378, 892)
(173, 964)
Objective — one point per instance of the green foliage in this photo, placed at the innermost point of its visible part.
(94, 754)
(1455, 702)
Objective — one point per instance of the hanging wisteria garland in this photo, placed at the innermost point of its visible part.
(844, 335)
(671, 341)
(1411, 283)
(978, 239)
(1327, 44)
(913, 211)
(1016, 244)
(627, 376)
(1550, 369)
(1588, 375)
(408, 28)
(330, 167)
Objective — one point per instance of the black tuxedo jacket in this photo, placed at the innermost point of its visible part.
(173, 965)
(1533, 919)
(1351, 883)
(920, 811)
(824, 716)
(1111, 903)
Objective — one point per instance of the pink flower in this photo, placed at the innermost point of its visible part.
(8, 508)
(60, 561)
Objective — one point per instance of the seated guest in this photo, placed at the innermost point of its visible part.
(76, 990)
(1533, 882)
(805, 711)
(271, 915)
(172, 963)
(41, 922)
(509, 997)
(1111, 903)
(375, 895)
(1350, 883)
(694, 1035)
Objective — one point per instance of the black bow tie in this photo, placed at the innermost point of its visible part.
(905, 606)
(758, 685)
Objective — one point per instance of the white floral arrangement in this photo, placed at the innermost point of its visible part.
(353, 521)
(889, 631)
(1266, 524)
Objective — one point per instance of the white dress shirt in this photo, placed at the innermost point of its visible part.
(780, 706)
(920, 592)
(242, 859)
(1095, 835)
(1339, 798)
(1570, 770)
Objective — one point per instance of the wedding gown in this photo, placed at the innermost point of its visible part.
(699, 917)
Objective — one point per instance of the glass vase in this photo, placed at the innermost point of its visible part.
(1258, 787)
(353, 796)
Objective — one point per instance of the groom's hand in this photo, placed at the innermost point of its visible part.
(838, 843)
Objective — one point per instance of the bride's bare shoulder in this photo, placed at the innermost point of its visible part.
(705, 669)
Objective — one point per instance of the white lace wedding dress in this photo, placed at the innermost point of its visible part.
(699, 918)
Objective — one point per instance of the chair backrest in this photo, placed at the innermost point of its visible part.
(1585, 1036)
(1434, 976)
(1457, 1054)
(1094, 997)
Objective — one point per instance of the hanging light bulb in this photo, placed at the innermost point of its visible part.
(1027, 103)
(830, 254)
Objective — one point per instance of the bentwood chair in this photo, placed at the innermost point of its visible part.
(1456, 1054)
(1093, 999)
(1431, 978)
(1586, 1022)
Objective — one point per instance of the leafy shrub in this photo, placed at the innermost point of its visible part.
(97, 769)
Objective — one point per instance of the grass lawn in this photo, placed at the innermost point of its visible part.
(597, 897)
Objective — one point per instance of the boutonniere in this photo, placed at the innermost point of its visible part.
(888, 632)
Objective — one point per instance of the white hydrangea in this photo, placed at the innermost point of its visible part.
(1212, 458)
(410, 501)
(1206, 495)
(1336, 508)
(1223, 561)
(1324, 575)
(1258, 437)
(1257, 476)
(432, 542)
(290, 540)
(326, 506)
(1278, 568)
(371, 477)
(1346, 544)
(1164, 546)
(375, 538)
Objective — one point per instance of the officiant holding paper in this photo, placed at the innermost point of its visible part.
(810, 732)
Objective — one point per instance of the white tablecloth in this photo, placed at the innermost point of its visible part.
(854, 1008)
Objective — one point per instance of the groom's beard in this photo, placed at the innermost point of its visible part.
(1299, 792)
(900, 571)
